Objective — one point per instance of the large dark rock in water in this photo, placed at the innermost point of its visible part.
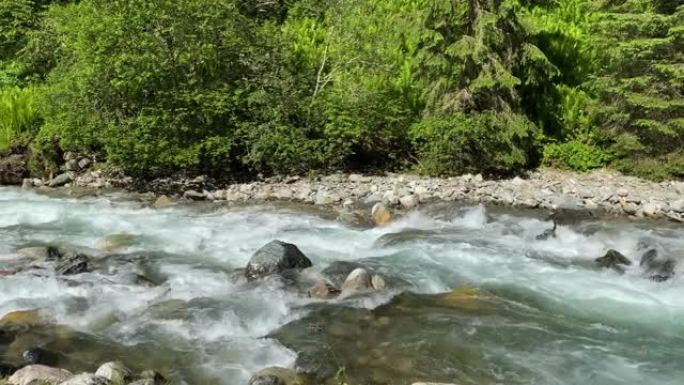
(13, 169)
(613, 260)
(274, 258)
(655, 267)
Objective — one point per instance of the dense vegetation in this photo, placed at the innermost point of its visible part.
(230, 87)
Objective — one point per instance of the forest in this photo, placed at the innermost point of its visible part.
(440, 87)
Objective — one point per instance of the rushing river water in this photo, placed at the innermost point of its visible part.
(483, 301)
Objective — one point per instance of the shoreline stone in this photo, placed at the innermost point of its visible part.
(600, 191)
(39, 374)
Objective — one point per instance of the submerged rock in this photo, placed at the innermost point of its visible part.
(22, 318)
(323, 290)
(40, 253)
(72, 265)
(274, 258)
(548, 233)
(613, 260)
(655, 268)
(37, 355)
(278, 376)
(115, 242)
(338, 271)
(39, 374)
(163, 202)
(411, 338)
(168, 309)
(152, 377)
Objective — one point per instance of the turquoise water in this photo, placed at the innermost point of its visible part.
(541, 314)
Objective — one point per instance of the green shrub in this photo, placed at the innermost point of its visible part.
(575, 156)
(19, 117)
(667, 167)
(496, 144)
(275, 148)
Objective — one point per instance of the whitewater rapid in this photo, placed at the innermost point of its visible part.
(435, 249)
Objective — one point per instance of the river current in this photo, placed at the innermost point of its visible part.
(543, 315)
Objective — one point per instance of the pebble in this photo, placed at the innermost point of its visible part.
(600, 190)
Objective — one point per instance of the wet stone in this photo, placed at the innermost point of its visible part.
(37, 355)
(275, 257)
(61, 180)
(323, 290)
(278, 376)
(87, 379)
(657, 268)
(381, 214)
(358, 280)
(613, 260)
(40, 374)
(115, 372)
(72, 265)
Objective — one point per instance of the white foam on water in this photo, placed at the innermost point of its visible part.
(468, 246)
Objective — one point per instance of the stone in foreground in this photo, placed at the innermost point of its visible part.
(86, 379)
(613, 260)
(39, 374)
(274, 258)
(115, 372)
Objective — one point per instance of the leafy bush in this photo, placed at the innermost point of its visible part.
(156, 87)
(290, 86)
(575, 156)
(496, 144)
(19, 117)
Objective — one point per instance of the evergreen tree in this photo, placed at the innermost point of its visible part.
(641, 85)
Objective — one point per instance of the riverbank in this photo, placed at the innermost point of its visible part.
(600, 191)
